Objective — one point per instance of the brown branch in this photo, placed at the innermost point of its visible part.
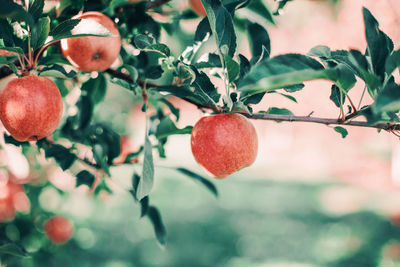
(326, 121)
(263, 116)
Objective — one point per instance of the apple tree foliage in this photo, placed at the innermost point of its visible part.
(152, 73)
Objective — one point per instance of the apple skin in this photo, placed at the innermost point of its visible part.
(30, 107)
(197, 7)
(58, 229)
(93, 53)
(224, 143)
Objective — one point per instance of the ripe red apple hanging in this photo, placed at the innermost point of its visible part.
(224, 143)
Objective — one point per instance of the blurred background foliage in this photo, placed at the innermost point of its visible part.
(257, 220)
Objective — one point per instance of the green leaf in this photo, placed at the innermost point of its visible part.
(379, 44)
(57, 71)
(86, 178)
(79, 28)
(11, 10)
(36, 9)
(289, 97)
(202, 30)
(12, 49)
(258, 38)
(341, 130)
(100, 156)
(320, 51)
(144, 206)
(232, 68)
(392, 62)
(64, 27)
(259, 7)
(62, 155)
(166, 128)
(221, 25)
(95, 88)
(142, 41)
(6, 33)
(8, 139)
(204, 88)
(159, 48)
(40, 32)
(147, 179)
(279, 111)
(154, 72)
(155, 218)
(282, 71)
(337, 97)
(294, 88)
(205, 182)
(213, 61)
(85, 106)
(388, 99)
(13, 249)
(172, 108)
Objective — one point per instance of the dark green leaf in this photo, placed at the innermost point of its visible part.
(202, 30)
(209, 185)
(144, 206)
(86, 178)
(294, 88)
(282, 71)
(159, 48)
(62, 155)
(289, 97)
(204, 88)
(85, 106)
(379, 44)
(154, 72)
(156, 220)
(142, 41)
(40, 32)
(78, 28)
(392, 62)
(172, 108)
(36, 9)
(260, 8)
(388, 99)
(337, 97)
(341, 130)
(166, 128)
(95, 88)
(57, 71)
(221, 25)
(146, 181)
(8, 139)
(232, 68)
(13, 249)
(279, 111)
(100, 156)
(320, 51)
(11, 10)
(258, 38)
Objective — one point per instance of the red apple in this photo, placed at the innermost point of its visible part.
(224, 143)
(12, 198)
(93, 53)
(59, 229)
(30, 107)
(197, 6)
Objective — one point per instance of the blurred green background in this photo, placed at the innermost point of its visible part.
(254, 222)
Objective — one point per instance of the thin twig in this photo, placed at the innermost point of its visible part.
(345, 121)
